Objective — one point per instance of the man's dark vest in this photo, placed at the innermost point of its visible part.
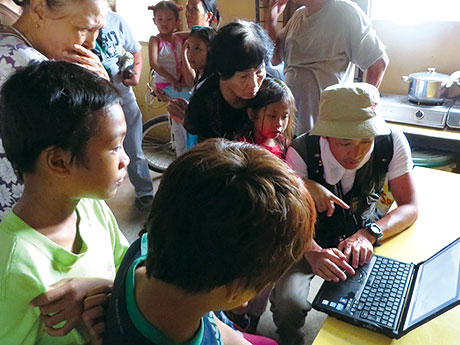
(362, 198)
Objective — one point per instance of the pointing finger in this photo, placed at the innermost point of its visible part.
(339, 202)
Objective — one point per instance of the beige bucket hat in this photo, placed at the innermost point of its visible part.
(350, 111)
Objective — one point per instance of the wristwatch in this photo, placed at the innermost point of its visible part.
(375, 231)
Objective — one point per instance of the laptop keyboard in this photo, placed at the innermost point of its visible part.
(382, 298)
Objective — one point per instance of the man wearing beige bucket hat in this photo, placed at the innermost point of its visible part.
(345, 161)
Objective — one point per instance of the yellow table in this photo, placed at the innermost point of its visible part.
(437, 225)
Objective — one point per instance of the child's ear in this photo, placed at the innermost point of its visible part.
(57, 160)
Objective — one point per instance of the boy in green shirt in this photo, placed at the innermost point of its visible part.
(62, 129)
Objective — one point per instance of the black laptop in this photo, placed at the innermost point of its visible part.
(392, 297)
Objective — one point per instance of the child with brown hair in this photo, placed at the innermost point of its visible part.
(165, 51)
(209, 258)
(272, 113)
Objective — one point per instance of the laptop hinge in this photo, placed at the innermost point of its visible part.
(407, 299)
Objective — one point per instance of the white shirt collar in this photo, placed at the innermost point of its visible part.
(333, 170)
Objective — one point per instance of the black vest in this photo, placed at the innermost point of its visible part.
(362, 198)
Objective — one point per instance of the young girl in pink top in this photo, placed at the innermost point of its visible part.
(165, 52)
(272, 113)
(166, 47)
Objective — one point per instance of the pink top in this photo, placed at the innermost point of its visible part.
(168, 58)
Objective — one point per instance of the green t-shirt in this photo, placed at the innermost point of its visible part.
(30, 263)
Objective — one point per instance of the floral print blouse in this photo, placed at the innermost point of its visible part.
(15, 54)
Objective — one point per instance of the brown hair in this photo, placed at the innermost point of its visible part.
(271, 91)
(243, 215)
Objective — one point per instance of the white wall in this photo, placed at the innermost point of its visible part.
(138, 17)
(415, 47)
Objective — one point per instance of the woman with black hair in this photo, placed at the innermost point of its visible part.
(237, 61)
(199, 14)
(202, 13)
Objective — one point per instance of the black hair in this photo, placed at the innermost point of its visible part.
(238, 46)
(271, 91)
(168, 5)
(248, 217)
(206, 34)
(211, 6)
(51, 104)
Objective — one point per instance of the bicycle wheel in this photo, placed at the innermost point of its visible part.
(157, 143)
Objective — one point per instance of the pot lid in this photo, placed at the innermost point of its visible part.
(430, 75)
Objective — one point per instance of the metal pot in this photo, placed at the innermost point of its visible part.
(430, 87)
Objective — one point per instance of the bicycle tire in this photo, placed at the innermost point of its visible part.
(157, 144)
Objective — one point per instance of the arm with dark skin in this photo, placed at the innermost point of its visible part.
(359, 246)
(330, 263)
(274, 10)
(153, 59)
(376, 71)
(187, 72)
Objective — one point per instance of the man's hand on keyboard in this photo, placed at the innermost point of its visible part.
(329, 263)
(359, 247)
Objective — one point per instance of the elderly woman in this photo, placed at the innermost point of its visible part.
(47, 29)
(237, 61)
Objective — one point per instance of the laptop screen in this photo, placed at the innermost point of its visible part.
(437, 285)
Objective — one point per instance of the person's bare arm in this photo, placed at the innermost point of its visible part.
(359, 245)
(182, 34)
(187, 72)
(377, 70)
(229, 335)
(274, 10)
(403, 216)
(135, 73)
(153, 59)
